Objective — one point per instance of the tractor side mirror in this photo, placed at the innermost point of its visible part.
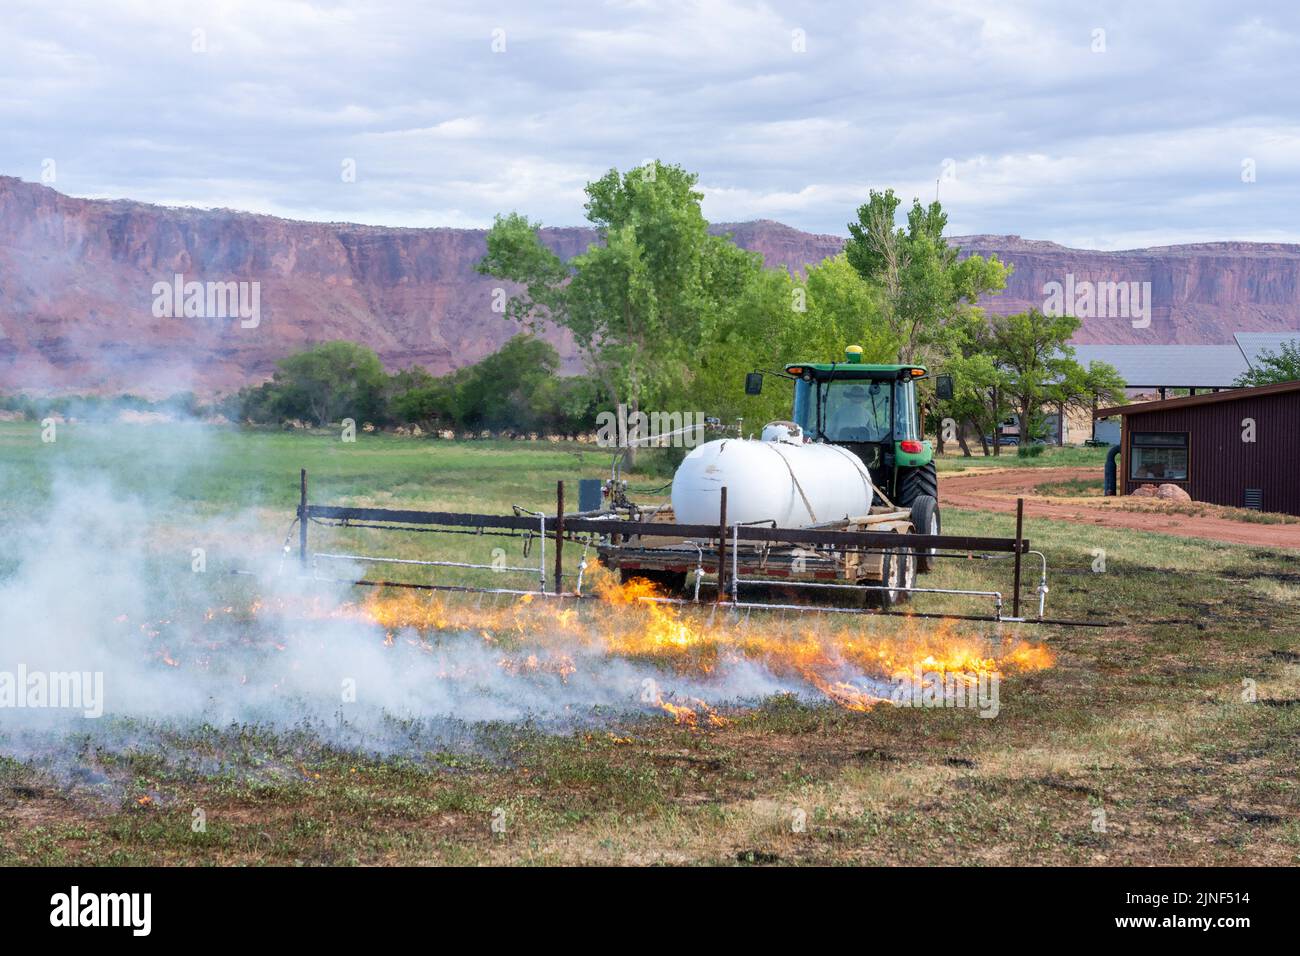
(943, 387)
(754, 383)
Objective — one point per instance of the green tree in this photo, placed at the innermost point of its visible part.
(753, 332)
(1087, 389)
(842, 309)
(329, 382)
(1033, 353)
(642, 300)
(979, 402)
(498, 392)
(928, 292)
(432, 404)
(779, 319)
(1274, 367)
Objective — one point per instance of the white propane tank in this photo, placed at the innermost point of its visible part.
(778, 478)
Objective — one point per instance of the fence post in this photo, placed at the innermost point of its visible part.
(559, 537)
(302, 521)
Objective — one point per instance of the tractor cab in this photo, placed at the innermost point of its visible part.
(868, 409)
(871, 411)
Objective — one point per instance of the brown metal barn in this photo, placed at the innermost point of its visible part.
(1239, 448)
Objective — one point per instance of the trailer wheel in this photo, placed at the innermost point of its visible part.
(897, 570)
(925, 519)
(907, 567)
(881, 599)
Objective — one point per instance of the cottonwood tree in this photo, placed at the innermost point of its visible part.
(515, 389)
(779, 319)
(979, 402)
(641, 300)
(1038, 367)
(329, 382)
(929, 292)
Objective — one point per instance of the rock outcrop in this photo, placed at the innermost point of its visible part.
(80, 281)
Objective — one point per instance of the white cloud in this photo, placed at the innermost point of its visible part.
(1050, 139)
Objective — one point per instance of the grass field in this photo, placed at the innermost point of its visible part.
(1138, 745)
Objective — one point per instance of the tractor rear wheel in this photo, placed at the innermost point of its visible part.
(913, 482)
(913, 485)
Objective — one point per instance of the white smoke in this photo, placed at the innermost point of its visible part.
(100, 581)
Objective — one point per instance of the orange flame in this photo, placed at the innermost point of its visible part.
(688, 640)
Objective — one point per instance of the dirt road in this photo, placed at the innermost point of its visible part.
(998, 489)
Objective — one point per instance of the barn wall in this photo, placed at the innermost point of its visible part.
(1220, 465)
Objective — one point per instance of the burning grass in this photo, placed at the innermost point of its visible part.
(424, 657)
(854, 664)
(1145, 720)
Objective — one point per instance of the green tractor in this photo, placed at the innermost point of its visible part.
(871, 411)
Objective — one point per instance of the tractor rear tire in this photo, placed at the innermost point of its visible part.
(926, 520)
(913, 482)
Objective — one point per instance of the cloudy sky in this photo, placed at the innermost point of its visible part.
(1095, 124)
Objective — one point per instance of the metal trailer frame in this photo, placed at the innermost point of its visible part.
(721, 538)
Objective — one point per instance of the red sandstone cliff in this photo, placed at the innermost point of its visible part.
(1201, 293)
(77, 279)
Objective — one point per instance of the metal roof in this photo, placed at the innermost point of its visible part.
(1169, 366)
(1210, 398)
(1253, 343)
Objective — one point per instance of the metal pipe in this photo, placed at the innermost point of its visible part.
(1042, 584)
(735, 565)
(582, 567)
(806, 536)
(1020, 535)
(665, 600)
(463, 589)
(722, 546)
(541, 564)
(1110, 483)
(876, 587)
(432, 564)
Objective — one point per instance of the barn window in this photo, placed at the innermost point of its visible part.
(1159, 456)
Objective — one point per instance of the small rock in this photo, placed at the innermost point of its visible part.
(1167, 492)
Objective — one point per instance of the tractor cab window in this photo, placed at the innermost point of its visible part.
(857, 411)
(905, 412)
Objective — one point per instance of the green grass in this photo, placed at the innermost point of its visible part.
(224, 469)
(1144, 720)
(1051, 457)
(1073, 488)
